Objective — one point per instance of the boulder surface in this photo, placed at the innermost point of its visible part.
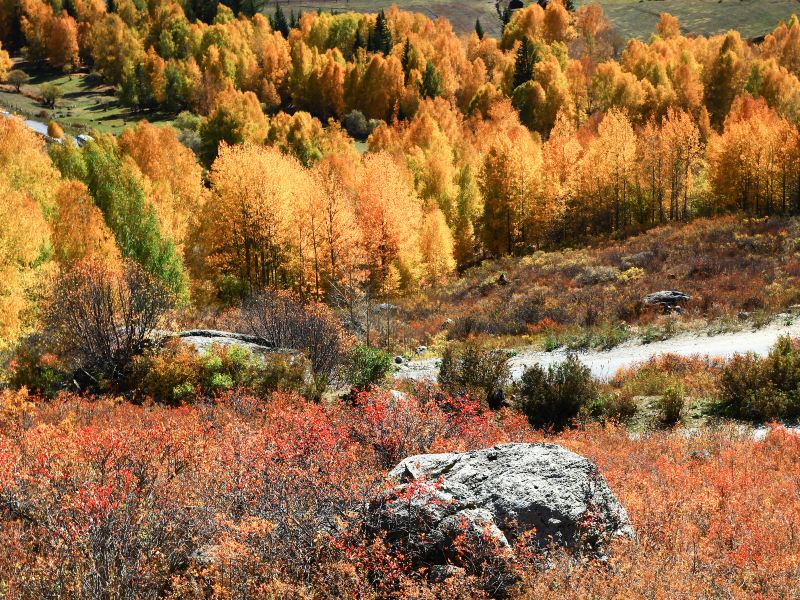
(667, 298)
(203, 339)
(553, 495)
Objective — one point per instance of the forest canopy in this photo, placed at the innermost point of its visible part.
(476, 147)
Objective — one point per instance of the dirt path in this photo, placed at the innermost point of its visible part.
(604, 364)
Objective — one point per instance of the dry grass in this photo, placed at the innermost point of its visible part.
(752, 18)
(630, 18)
(735, 269)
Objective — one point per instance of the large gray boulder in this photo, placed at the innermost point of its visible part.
(203, 339)
(667, 298)
(495, 495)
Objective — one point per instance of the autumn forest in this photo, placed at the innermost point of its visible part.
(476, 146)
(320, 242)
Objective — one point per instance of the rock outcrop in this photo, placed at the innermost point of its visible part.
(203, 339)
(495, 495)
(667, 299)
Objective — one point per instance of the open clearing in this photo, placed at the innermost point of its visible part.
(700, 17)
(631, 18)
(461, 15)
(87, 105)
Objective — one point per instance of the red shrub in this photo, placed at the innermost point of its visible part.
(254, 498)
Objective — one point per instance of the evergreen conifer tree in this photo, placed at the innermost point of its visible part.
(431, 86)
(405, 60)
(523, 65)
(380, 39)
(279, 22)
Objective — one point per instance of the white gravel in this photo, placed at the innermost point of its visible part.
(604, 364)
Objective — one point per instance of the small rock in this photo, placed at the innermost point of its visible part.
(447, 323)
(743, 315)
(666, 297)
(203, 339)
(398, 360)
(502, 279)
(422, 349)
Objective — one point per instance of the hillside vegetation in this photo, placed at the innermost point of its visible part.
(714, 512)
(201, 317)
(738, 272)
(478, 148)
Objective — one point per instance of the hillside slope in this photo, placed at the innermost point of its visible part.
(630, 18)
(734, 269)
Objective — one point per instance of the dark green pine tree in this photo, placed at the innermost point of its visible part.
(380, 39)
(431, 85)
(570, 5)
(292, 20)
(279, 22)
(523, 65)
(358, 42)
(479, 29)
(405, 60)
(234, 5)
(202, 10)
(505, 16)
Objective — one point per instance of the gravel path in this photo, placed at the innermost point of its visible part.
(605, 363)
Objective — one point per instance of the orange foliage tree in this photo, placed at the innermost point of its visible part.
(177, 190)
(252, 224)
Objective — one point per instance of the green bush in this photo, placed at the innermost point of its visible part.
(33, 367)
(620, 406)
(368, 366)
(183, 392)
(554, 397)
(472, 370)
(218, 383)
(475, 371)
(670, 405)
(177, 373)
(762, 389)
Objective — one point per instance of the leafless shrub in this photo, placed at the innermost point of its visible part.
(102, 319)
(282, 319)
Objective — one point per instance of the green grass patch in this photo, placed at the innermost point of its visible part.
(637, 19)
(87, 105)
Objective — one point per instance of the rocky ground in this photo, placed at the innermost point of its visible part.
(604, 364)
